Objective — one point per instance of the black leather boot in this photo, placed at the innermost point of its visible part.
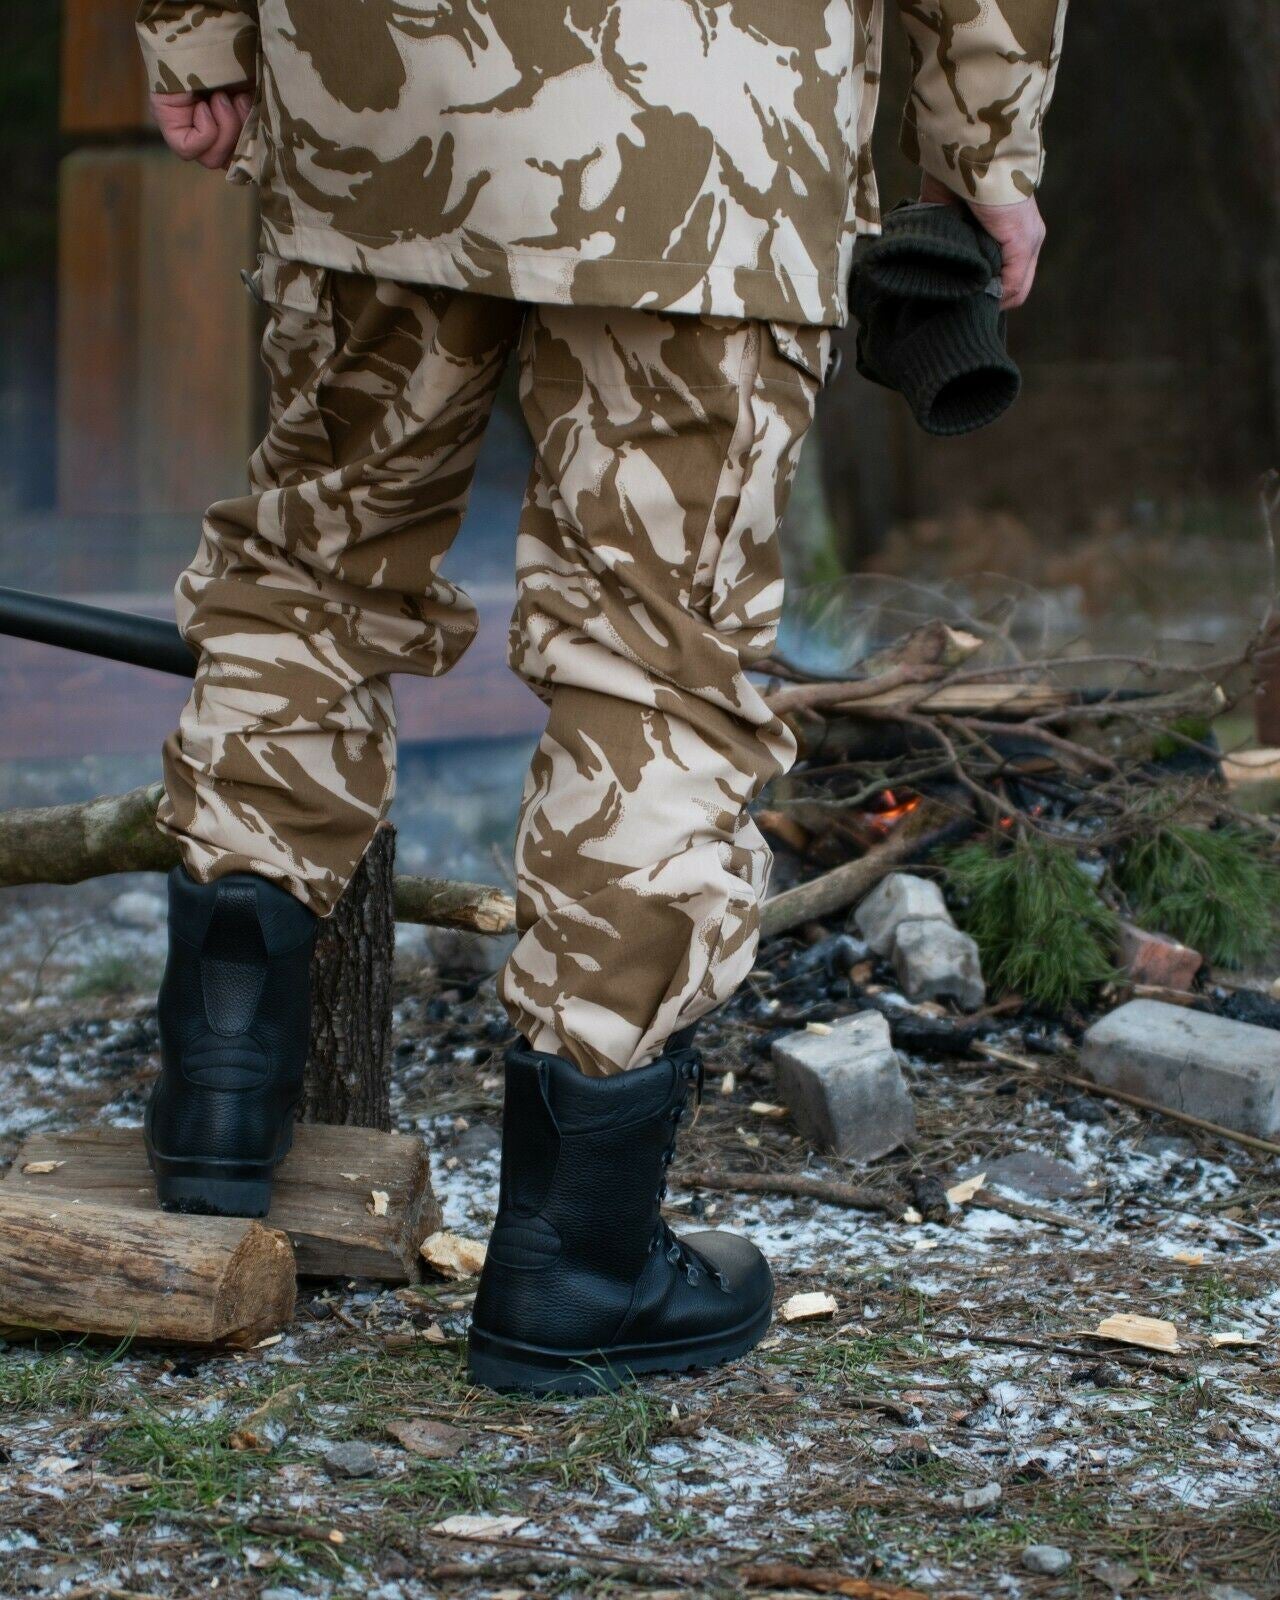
(235, 1020)
(584, 1282)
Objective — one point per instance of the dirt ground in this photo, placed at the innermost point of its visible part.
(952, 1412)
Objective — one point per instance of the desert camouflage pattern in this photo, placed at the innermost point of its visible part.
(700, 156)
(648, 581)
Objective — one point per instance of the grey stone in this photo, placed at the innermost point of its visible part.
(899, 898)
(935, 961)
(1227, 1591)
(845, 1088)
(350, 1458)
(1047, 1559)
(138, 908)
(1226, 1072)
(1168, 1144)
(981, 1499)
(1033, 1175)
(281, 1594)
(478, 1140)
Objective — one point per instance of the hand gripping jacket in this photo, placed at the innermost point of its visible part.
(584, 1282)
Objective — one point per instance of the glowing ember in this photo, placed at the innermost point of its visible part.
(888, 812)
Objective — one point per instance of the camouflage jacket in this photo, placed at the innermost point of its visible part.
(704, 156)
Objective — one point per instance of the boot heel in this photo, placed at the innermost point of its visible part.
(210, 1196)
(507, 1371)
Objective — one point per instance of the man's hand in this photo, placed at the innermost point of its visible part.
(1018, 230)
(204, 126)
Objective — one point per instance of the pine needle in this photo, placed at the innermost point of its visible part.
(1042, 930)
(1217, 890)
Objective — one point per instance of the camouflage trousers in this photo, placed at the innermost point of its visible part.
(649, 582)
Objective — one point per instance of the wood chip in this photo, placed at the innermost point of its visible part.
(808, 1307)
(728, 1083)
(911, 1215)
(453, 1256)
(1222, 1341)
(1150, 1333)
(1189, 1258)
(817, 1027)
(377, 1203)
(960, 1193)
(469, 1527)
(39, 1168)
(763, 1108)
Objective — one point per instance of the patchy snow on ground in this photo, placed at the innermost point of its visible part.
(961, 1356)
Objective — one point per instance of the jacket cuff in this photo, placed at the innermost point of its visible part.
(209, 55)
(1003, 181)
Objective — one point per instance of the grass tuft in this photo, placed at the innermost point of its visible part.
(1042, 930)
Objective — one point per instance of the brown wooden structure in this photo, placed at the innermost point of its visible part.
(157, 377)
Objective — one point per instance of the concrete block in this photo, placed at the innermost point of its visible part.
(1153, 959)
(935, 961)
(845, 1088)
(899, 898)
(1211, 1067)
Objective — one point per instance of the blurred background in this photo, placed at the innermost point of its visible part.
(1116, 505)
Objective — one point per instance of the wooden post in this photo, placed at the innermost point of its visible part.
(348, 1071)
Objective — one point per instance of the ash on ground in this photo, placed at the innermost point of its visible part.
(953, 1418)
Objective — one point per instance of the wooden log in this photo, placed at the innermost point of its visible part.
(348, 1079)
(69, 1266)
(323, 1198)
(117, 833)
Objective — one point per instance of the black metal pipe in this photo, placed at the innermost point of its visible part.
(95, 631)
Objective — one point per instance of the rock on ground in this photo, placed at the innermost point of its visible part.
(1226, 1072)
(1047, 1559)
(897, 899)
(935, 961)
(1034, 1175)
(351, 1458)
(845, 1088)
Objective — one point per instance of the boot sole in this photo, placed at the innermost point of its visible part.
(506, 1364)
(213, 1187)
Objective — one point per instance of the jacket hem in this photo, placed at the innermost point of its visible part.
(715, 289)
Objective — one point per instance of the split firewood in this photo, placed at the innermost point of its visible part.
(114, 1273)
(118, 833)
(322, 1198)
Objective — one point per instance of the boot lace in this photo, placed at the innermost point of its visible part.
(677, 1252)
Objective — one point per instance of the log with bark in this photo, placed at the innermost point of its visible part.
(118, 833)
(348, 1077)
(73, 1267)
(353, 1202)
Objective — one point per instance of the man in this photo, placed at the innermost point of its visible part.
(651, 206)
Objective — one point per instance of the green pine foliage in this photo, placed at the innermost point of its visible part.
(1216, 889)
(1042, 929)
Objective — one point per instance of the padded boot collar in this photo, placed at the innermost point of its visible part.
(284, 922)
(580, 1105)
